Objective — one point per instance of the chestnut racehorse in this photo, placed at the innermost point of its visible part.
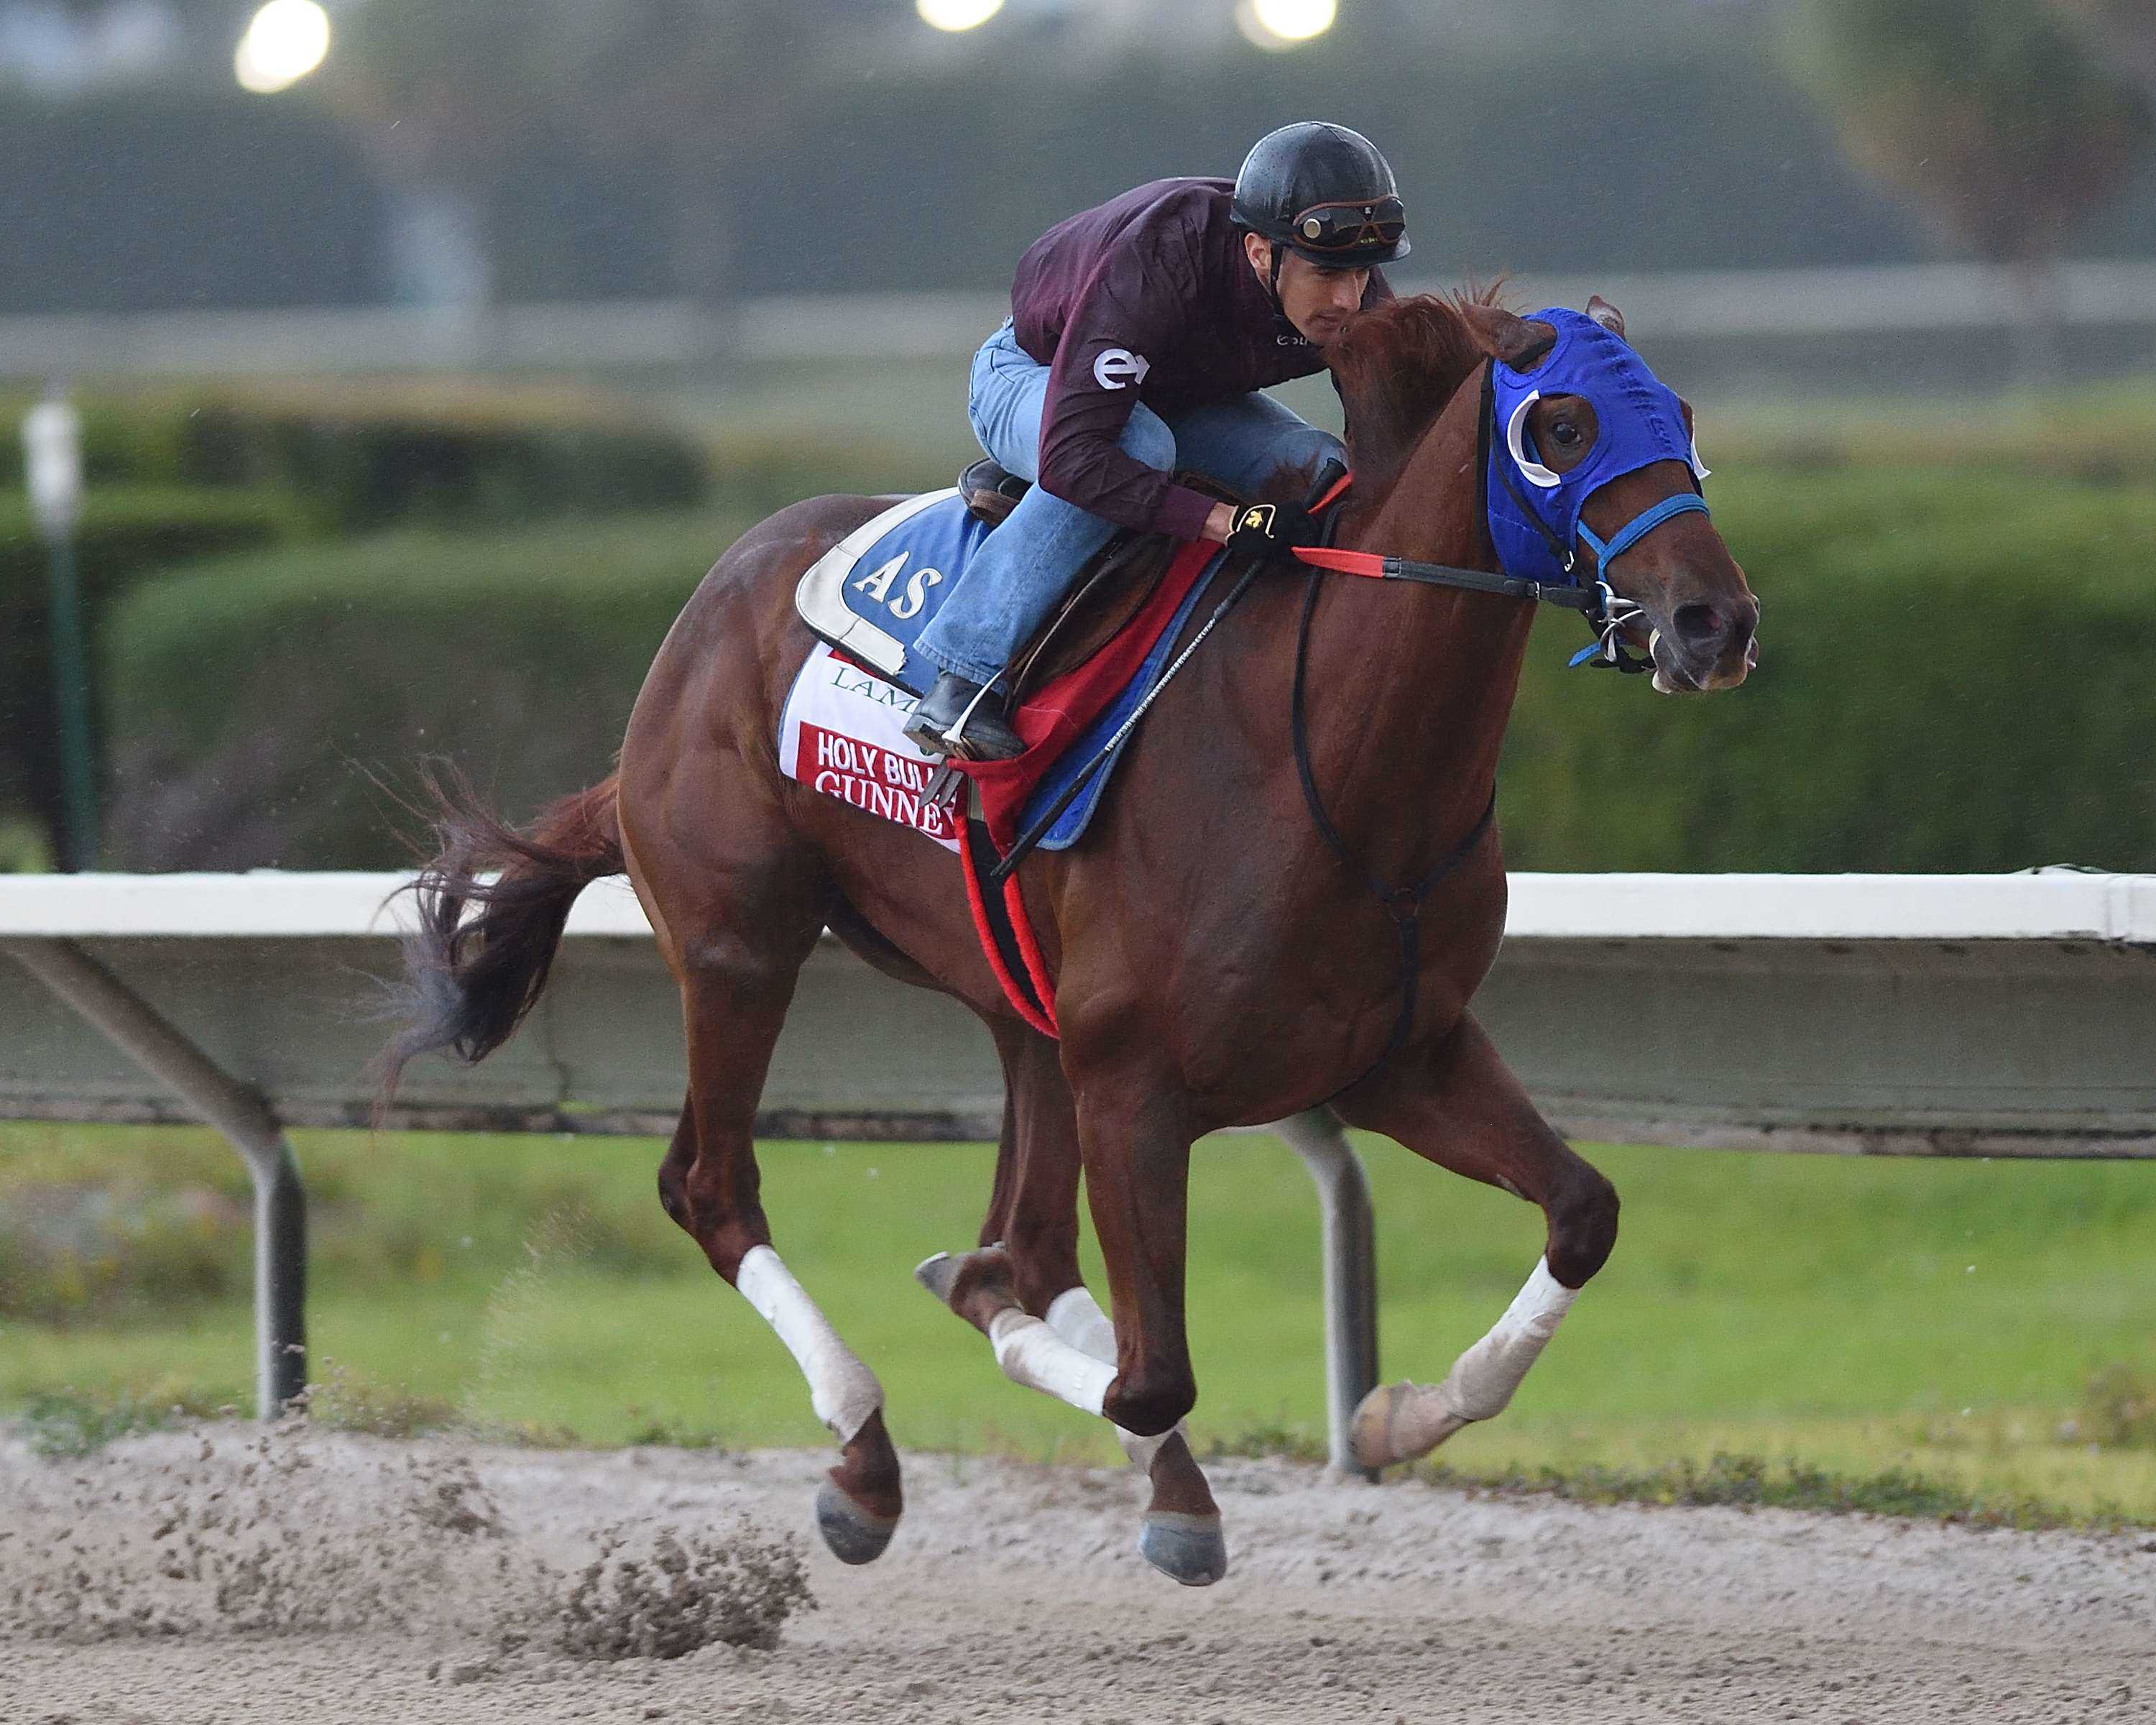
(1216, 960)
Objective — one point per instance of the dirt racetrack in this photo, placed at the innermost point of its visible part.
(216, 1575)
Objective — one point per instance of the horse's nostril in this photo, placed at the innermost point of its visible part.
(1696, 623)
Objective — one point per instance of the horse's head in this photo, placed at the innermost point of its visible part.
(1593, 475)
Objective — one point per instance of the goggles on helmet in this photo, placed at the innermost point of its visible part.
(1350, 227)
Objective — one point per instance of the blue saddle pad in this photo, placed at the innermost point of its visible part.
(899, 583)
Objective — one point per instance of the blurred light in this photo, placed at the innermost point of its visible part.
(51, 465)
(956, 14)
(1279, 24)
(287, 40)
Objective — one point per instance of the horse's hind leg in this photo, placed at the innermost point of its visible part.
(1463, 1110)
(1027, 1262)
(736, 969)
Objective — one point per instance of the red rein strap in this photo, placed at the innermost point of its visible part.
(1345, 563)
(1370, 564)
(1332, 496)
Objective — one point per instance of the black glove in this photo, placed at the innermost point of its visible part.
(1272, 531)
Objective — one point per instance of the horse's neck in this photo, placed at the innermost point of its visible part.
(1411, 687)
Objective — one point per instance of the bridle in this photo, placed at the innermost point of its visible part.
(1607, 611)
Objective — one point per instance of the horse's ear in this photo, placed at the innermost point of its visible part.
(1608, 315)
(1519, 343)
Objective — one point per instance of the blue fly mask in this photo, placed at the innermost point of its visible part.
(1534, 512)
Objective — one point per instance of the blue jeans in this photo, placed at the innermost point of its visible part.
(1031, 560)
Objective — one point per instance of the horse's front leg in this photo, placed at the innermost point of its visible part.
(1461, 1109)
(1047, 1332)
(1028, 1257)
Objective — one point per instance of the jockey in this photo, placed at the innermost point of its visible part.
(1142, 335)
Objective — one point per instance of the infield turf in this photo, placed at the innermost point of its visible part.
(1855, 1315)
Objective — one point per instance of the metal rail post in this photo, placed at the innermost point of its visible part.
(52, 464)
(281, 1202)
(1351, 1271)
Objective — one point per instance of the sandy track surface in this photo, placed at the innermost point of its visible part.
(213, 1576)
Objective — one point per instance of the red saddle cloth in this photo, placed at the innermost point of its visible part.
(1055, 715)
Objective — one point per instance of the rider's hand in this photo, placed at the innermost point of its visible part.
(1272, 531)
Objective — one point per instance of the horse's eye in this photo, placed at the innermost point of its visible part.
(1564, 434)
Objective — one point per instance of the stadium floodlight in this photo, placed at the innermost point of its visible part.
(956, 14)
(1278, 24)
(287, 40)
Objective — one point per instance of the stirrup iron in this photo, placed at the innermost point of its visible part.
(954, 739)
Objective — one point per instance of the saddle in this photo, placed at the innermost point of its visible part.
(1111, 590)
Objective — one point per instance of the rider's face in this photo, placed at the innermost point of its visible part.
(1318, 301)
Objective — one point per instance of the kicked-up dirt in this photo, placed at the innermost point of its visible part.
(225, 1574)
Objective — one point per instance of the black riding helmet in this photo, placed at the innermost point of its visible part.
(1324, 192)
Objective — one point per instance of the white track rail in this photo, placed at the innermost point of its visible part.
(2064, 905)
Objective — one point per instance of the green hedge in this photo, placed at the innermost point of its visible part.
(176, 474)
(252, 704)
(368, 454)
(761, 472)
(1953, 677)
(125, 531)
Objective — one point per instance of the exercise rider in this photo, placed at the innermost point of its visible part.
(1142, 333)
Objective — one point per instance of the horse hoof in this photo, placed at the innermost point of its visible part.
(939, 1274)
(1186, 1548)
(974, 1285)
(853, 1535)
(1370, 1435)
(1399, 1422)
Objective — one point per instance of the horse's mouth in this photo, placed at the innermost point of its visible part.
(1672, 676)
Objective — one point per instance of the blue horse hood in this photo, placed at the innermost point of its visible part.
(1640, 422)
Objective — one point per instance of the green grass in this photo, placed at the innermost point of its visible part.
(1854, 1320)
(1747, 1482)
(66, 1425)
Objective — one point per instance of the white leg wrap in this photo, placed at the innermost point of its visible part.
(1076, 1317)
(1482, 1379)
(1032, 1355)
(1410, 1419)
(842, 1390)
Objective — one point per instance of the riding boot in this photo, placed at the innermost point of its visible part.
(942, 725)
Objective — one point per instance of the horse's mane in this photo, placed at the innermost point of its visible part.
(1397, 367)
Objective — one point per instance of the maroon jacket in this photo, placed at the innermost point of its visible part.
(1147, 297)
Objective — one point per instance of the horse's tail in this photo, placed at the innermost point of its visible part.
(469, 979)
